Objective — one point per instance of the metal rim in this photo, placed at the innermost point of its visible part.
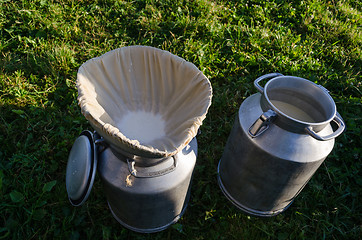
(244, 208)
(321, 90)
(148, 230)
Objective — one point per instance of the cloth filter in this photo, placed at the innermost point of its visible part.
(143, 100)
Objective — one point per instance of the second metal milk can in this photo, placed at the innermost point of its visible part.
(280, 137)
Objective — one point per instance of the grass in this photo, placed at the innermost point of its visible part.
(43, 43)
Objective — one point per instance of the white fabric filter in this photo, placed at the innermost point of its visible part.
(144, 100)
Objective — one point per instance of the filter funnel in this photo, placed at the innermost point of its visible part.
(143, 100)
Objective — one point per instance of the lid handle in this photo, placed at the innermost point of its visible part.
(259, 79)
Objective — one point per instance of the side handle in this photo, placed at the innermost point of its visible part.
(262, 123)
(341, 126)
(266, 76)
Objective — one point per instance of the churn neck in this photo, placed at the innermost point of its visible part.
(298, 103)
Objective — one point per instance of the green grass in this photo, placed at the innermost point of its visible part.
(43, 43)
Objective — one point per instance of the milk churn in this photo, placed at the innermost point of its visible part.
(144, 195)
(146, 106)
(280, 137)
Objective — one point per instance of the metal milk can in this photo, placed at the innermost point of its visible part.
(146, 106)
(144, 195)
(155, 193)
(280, 137)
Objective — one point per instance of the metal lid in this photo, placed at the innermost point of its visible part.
(81, 169)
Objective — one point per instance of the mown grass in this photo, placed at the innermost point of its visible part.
(43, 42)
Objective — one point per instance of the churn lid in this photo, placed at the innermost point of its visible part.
(81, 168)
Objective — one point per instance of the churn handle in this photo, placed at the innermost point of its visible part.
(269, 75)
(341, 126)
(262, 123)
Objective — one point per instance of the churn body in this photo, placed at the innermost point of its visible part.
(147, 198)
(262, 173)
